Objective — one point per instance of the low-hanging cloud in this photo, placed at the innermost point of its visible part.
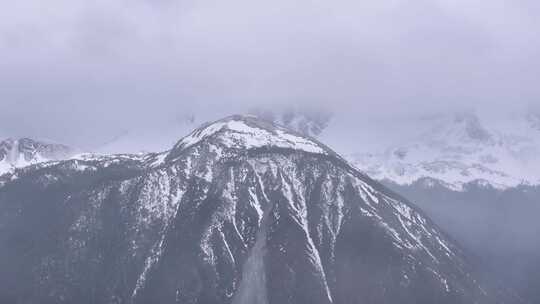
(100, 65)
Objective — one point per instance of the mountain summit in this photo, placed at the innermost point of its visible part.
(247, 132)
(240, 211)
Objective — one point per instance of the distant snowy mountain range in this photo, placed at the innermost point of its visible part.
(460, 149)
(22, 152)
(454, 150)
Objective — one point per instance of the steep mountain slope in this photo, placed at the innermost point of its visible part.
(17, 153)
(239, 211)
(499, 226)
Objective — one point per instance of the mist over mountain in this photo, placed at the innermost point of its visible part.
(462, 148)
(461, 164)
(311, 122)
(239, 211)
(498, 226)
(83, 72)
(22, 152)
(478, 179)
(146, 138)
(385, 152)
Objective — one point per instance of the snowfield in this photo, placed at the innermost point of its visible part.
(461, 149)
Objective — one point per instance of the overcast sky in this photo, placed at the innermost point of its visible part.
(82, 71)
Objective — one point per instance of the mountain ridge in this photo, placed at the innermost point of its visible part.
(198, 226)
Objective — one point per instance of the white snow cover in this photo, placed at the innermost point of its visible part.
(461, 149)
(243, 132)
(14, 159)
(20, 153)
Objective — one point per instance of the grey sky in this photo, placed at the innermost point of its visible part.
(81, 71)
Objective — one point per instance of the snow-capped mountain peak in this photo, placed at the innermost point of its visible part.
(22, 152)
(462, 148)
(247, 132)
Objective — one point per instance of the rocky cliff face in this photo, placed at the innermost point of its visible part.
(239, 211)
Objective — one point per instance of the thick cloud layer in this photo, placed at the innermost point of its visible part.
(78, 71)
